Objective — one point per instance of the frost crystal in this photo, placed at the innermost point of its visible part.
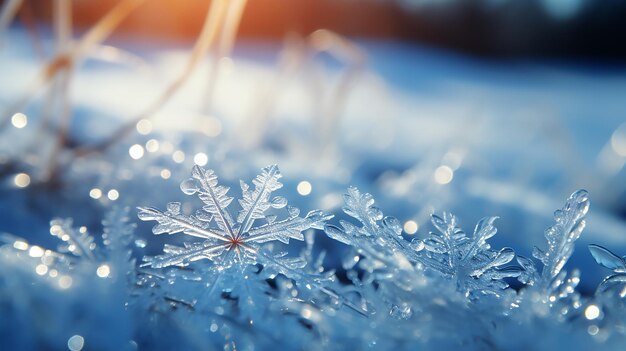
(379, 239)
(607, 259)
(118, 231)
(78, 285)
(468, 260)
(229, 241)
(75, 241)
(617, 264)
(610, 296)
(553, 282)
(78, 246)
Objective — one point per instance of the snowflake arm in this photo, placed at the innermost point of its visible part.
(254, 204)
(529, 274)
(361, 207)
(291, 227)
(176, 255)
(172, 222)
(446, 244)
(483, 231)
(501, 258)
(205, 184)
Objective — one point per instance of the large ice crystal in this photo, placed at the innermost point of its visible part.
(228, 241)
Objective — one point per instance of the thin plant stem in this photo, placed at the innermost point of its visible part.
(295, 55)
(28, 19)
(327, 41)
(212, 24)
(290, 58)
(225, 46)
(7, 14)
(97, 34)
(60, 91)
(65, 111)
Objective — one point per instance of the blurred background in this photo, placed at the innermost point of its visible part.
(581, 29)
(478, 107)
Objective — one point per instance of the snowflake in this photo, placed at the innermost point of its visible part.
(468, 260)
(229, 241)
(553, 282)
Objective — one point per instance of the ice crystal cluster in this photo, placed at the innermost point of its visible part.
(254, 275)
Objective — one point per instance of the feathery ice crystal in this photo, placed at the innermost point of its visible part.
(553, 283)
